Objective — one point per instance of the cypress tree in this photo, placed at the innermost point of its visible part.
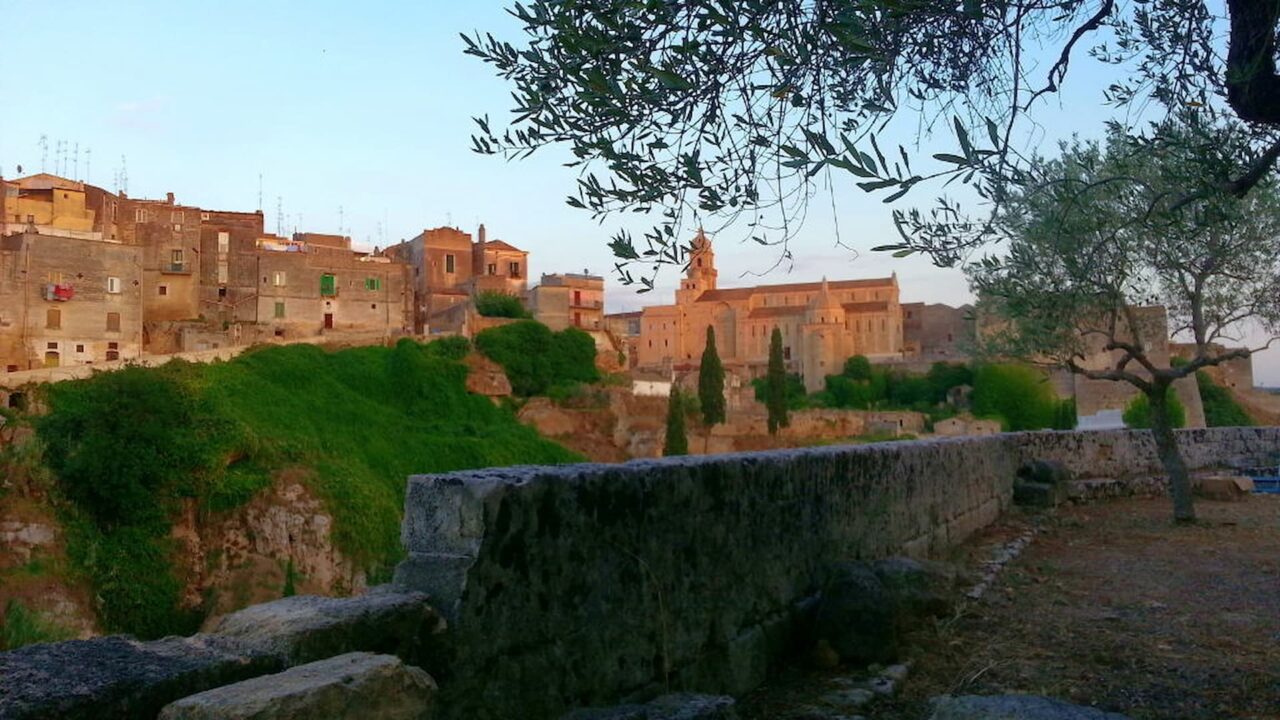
(775, 385)
(677, 442)
(711, 382)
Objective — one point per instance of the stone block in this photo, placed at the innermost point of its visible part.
(346, 687)
(857, 616)
(117, 677)
(1224, 487)
(1014, 707)
(1038, 495)
(304, 628)
(442, 576)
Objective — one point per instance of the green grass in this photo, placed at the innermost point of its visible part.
(23, 627)
(357, 422)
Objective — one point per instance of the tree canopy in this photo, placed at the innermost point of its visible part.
(696, 110)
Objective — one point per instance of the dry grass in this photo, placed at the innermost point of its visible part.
(1114, 606)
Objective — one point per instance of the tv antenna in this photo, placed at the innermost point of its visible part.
(44, 152)
(88, 166)
(124, 174)
(341, 218)
(279, 216)
(76, 165)
(259, 192)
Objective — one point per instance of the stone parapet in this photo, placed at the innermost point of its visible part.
(584, 585)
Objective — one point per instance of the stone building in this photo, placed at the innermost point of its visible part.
(448, 268)
(68, 301)
(564, 300)
(822, 323)
(298, 288)
(933, 332)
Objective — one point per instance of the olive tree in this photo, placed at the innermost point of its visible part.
(705, 110)
(1092, 237)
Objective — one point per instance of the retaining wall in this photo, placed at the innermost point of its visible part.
(585, 584)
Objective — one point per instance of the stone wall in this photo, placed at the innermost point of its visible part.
(585, 584)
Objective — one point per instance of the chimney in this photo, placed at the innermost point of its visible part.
(481, 233)
(169, 198)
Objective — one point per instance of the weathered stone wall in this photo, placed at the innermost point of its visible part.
(580, 585)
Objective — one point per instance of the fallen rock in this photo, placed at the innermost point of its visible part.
(1014, 707)
(677, 706)
(117, 677)
(919, 589)
(857, 615)
(355, 685)
(1224, 487)
(486, 377)
(1042, 483)
(304, 628)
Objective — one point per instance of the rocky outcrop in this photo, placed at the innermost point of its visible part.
(241, 557)
(486, 377)
(347, 687)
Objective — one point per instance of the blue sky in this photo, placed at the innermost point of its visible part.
(367, 107)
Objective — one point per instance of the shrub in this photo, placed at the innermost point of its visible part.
(499, 304)
(1017, 394)
(857, 367)
(1137, 414)
(535, 358)
(1220, 408)
(454, 347)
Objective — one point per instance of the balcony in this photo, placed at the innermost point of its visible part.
(586, 304)
(175, 269)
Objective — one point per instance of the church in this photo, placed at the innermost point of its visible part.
(822, 323)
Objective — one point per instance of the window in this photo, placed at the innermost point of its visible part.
(786, 353)
(177, 227)
(222, 292)
(53, 319)
(224, 241)
(175, 217)
(113, 285)
(279, 309)
(204, 216)
(113, 346)
(112, 211)
(373, 283)
(51, 346)
(162, 290)
(175, 257)
(513, 270)
(113, 322)
(492, 269)
(139, 215)
(448, 264)
(222, 274)
(328, 285)
(278, 278)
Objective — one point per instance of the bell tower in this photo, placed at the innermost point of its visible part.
(701, 275)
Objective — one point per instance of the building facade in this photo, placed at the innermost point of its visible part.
(564, 300)
(822, 323)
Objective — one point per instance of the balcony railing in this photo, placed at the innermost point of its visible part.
(588, 304)
(176, 269)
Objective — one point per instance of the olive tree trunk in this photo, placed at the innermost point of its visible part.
(1167, 448)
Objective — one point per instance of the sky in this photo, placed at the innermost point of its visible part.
(357, 117)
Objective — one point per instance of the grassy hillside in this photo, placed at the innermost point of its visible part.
(127, 446)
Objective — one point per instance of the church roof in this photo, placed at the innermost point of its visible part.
(747, 292)
(777, 311)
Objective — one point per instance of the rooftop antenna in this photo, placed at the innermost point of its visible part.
(44, 152)
(448, 219)
(57, 158)
(259, 192)
(341, 217)
(88, 164)
(279, 216)
(77, 161)
(124, 175)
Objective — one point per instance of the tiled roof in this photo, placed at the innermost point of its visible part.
(500, 245)
(869, 306)
(744, 293)
(778, 311)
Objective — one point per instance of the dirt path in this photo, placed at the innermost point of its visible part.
(1111, 606)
